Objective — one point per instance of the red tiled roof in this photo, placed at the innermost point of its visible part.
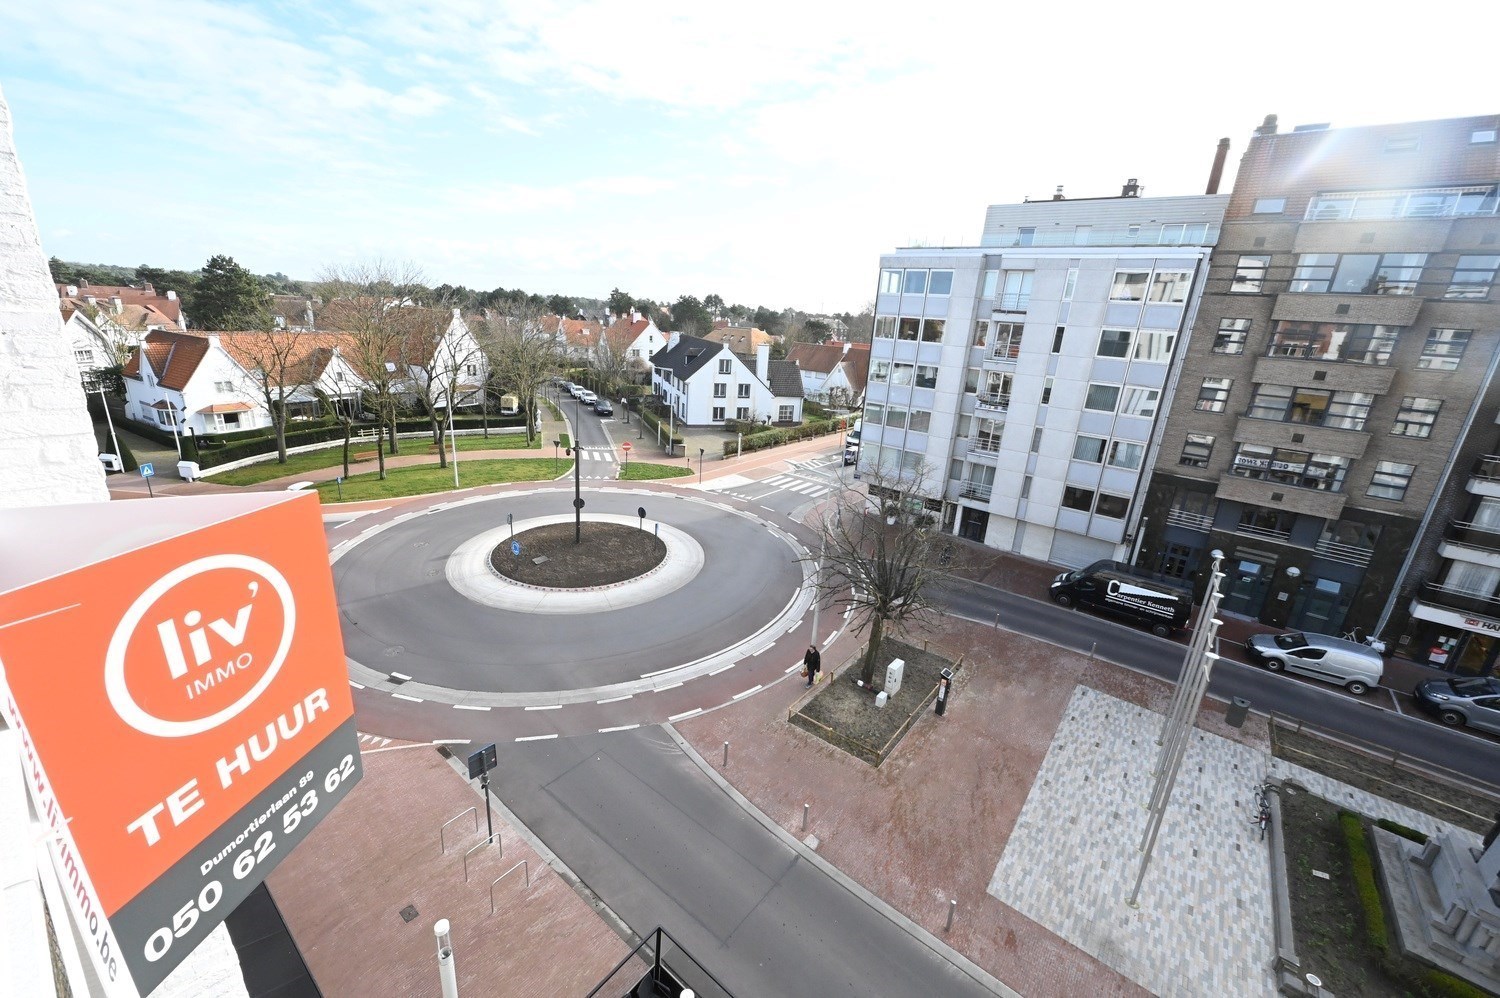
(226, 407)
(173, 357)
(169, 307)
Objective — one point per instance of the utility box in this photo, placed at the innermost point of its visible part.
(189, 471)
(111, 462)
(1236, 712)
(880, 698)
(893, 674)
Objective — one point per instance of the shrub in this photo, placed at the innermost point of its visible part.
(1420, 838)
(777, 437)
(1363, 869)
(654, 421)
(1441, 985)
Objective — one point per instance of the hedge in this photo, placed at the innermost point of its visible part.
(654, 422)
(1362, 867)
(1396, 828)
(779, 436)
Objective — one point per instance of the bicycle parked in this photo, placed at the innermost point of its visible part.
(1263, 807)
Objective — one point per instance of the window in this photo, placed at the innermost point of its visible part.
(1231, 336)
(1078, 498)
(1323, 472)
(1027, 236)
(981, 333)
(1482, 135)
(725, 366)
(991, 284)
(1036, 439)
(971, 380)
(874, 414)
(721, 390)
(895, 416)
(742, 413)
(226, 421)
(1346, 410)
(1089, 449)
(1129, 285)
(1071, 284)
(1270, 402)
(932, 330)
(718, 416)
(1177, 560)
(1390, 480)
(885, 327)
(1401, 145)
(1354, 344)
(1214, 395)
(1250, 273)
(920, 420)
(1102, 398)
(1416, 417)
(1127, 455)
(940, 282)
(1358, 273)
(927, 375)
(1444, 349)
(1154, 345)
(1015, 295)
(1081, 236)
(914, 282)
(901, 374)
(1139, 402)
(1113, 507)
(909, 328)
(743, 391)
(84, 356)
(1057, 339)
(1269, 206)
(880, 371)
(1114, 343)
(223, 386)
(1196, 450)
(1007, 341)
(1432, 202)
(1047, 390)
(1170, 286)
(890, 282)
(1472, 277)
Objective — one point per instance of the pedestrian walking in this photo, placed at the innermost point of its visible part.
(811, 663)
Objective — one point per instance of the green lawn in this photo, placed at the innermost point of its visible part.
(641, 471)
(426, 478)
(333, 457)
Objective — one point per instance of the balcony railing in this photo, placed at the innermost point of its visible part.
(1193, 521)
(1015, 302)
(1346, 553)
(994, 400)
(985, 443)
(1004, 352)
(1488, 468)
(1475, 536)
(1457, 599)
(1265, 533)
(975, 490)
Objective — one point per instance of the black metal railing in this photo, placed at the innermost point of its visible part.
(1474, 536)
(1458, 599)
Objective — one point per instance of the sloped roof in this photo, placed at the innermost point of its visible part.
(146, 296)
(819, 357)
(857, 367)
(743, 339)
(689, 356)
(786, 380)
(173, 357)
(308, 354)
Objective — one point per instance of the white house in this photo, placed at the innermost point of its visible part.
(436, 356)
(705, 383)
(832, 372)
(181, 381)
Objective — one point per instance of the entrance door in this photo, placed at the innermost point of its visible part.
(1477, 658)
(973, 524)
(1245, 587)
(1319, 607)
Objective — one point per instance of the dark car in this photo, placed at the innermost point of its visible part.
(1457, 702)
(603, 408)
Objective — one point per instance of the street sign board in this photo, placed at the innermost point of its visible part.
(515, 547)
(482, 761)
(627, 446)
(148, 470)
(177, 683)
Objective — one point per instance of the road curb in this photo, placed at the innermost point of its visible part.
(926, 938)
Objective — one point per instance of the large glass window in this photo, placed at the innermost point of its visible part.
(1473, 276)
(919, 421)
(1170, 286)
(1196, 450)
(909, 328)
(1355, 344)
(1129, 285)
(1154, 345)
(1139, 402)
(1270, 402)
(1391, 480)
(932, 330)
(1102, 398)
(1114, 343)
(1126, 454)
(1444, 349)
(1015, 294)
(885, 327)
(895, 415)
(1418, 203)
(1007, 340)
(991, 284)
(1113, 507)
(1324, 472)
(914, 283)
(927, 376)
(940, 282)
(1089, 449)
(1231, 336)
(901, 374)
(1213, 396)
(890, 282)
(1348, 410)
(1358, 273)
(1077, 497)
(981, 333)
(880, 371)
(1071, 284)
(1416, 417)
(1250, 273)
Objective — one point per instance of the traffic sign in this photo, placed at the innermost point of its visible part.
(147, 470)
(627, 446)
(515, 548)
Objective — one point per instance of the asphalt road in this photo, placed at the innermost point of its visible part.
(1319, 703)
(637, 821)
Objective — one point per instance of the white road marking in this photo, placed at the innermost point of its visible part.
(550, 706)
(467, 706)
(658, 672)
(623, 727)
(741, 696)
(401, 675)
(450, 741)
(403, 696)
(665, 688)
(358, 686)
(830, 638)
(616, 699)
(686, 713)
(726, 668)
(536, 738)
(790, 668)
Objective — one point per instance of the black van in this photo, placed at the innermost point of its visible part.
(1116, 588)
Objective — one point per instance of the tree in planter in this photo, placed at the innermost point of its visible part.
(521, 354)
(881, 553)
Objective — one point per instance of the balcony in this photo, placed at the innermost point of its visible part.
(993, 400)
(984, 447)
(1317, 439)
(1263, 533)
(1348, 554)
(1456, 599)
(1003, 353)
(1012, 302)
(1323, 306)
(1337, 375)
(979, 491)
(1470, 535)
(1277, 495)
(1484, 480)
(1192, 521)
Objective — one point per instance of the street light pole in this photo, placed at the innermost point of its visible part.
(577, 478)
(453, 438)
(109, 419)
(700, 465)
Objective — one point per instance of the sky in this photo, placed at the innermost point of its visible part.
(767, 152)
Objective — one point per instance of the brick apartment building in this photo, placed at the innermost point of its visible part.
(1338, 398)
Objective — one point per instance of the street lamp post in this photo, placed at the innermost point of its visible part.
(577, 478)
(453, 438)
(109, 419)
(700, 465)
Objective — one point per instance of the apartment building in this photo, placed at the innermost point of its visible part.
(1020, 385)
(1336, 400)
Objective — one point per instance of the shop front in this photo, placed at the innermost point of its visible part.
(1463, 644)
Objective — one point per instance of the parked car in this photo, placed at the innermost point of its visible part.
(587, 397)
(1353, 666)
(851, 455)
(603, 408)
(1115, 588)
(1474, 701)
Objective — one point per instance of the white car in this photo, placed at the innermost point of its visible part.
(587, 397)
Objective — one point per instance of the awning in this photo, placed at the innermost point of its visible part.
(226, 407)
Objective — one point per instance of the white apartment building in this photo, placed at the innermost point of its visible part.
(1021, 386)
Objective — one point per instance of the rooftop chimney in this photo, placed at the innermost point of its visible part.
(763, 362)
(1058, 196)
(171, 296)
(1131, 189)
(1267, 127)
(146, 287)
(1217, 173)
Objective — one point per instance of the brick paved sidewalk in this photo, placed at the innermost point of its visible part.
(342, 891)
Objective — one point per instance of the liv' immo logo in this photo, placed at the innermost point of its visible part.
(200, 645)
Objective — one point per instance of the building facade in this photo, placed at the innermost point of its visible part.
(1340, 368)
(1020, 385)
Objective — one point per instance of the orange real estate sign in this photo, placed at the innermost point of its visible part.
(175, 671)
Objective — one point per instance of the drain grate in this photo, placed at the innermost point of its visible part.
(408, 913)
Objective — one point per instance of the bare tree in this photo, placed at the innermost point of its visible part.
(275, 362)
(522, 356)
(882, 555)
(445, 362)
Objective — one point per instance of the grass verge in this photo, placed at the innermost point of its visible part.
(333, 457)
(645, 471)
(428, 478)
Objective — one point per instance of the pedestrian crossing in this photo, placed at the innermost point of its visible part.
(779, 483)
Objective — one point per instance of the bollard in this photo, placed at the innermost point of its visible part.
(997, 619)
(726, 755)
(1093, 648)
(952, 907)
(805, 808)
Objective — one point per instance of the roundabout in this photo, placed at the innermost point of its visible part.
(428, 618)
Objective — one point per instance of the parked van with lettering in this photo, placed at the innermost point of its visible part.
(1116, 588)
